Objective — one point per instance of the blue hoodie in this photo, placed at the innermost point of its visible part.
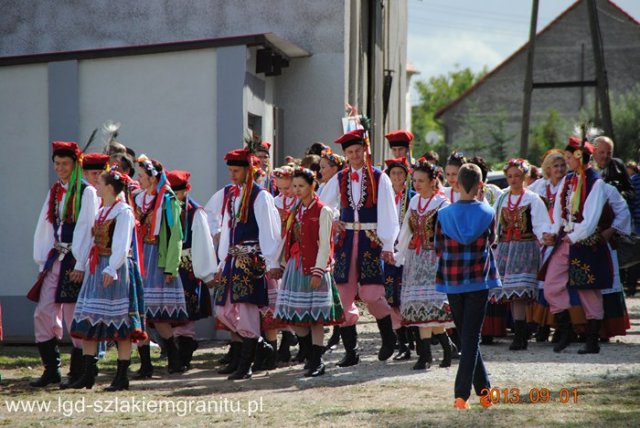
(471, 267)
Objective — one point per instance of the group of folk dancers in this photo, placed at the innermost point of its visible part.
(291, 250)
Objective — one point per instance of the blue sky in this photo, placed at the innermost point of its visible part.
(475, 33)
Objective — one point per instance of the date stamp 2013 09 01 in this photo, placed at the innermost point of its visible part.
(532, 395)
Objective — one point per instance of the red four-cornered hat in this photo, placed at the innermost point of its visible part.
(575, 143)
(350, 138)
(263, 146)
(397, 162)
(399, 138)
(238, 157)
(66, 148)
(179, 180)
(95, 161)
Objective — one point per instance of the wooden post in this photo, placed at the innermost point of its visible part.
(602, 87)
(528, 81)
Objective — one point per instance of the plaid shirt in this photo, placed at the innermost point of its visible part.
(465, 268)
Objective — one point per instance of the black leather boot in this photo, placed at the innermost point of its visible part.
(75, 368)
(316, 365)
(447, 349)
(88, 377)
(266, 355)
(542, 334)
(146, 368)
(234, 358)
(404, 353)
(174, 363)
(424, 351)
(50, 356)
(563, 328)
(226, 358)
(349, 336)
(520, 337)
(334, 339)
(304, 353)
(121, 380)
(186, 347)
(591, 346)
(388, 338)
(284, 352)
(247, 355)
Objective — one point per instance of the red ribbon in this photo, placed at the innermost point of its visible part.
(93, 259)
(295, 252)
(355, 176)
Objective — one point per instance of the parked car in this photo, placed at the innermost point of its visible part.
(497, 178)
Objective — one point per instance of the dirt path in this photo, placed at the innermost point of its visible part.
(370, 394)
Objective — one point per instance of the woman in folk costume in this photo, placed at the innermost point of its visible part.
(455, 161)
(616, 320)
(368, 229)
(160, 232)
(198, 264)
(330, 164)
(110, 304)
(580, 257)
(308, 299)
(266, 353)
(522, 219)
(398, 171)
(61, 245)
(249, 248)
(554, 168)
(421, 305)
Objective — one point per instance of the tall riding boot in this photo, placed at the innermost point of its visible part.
(146, 368)
(266, 355)
(404, 353)
(520, 338)
(50, 356)
(234, 358)
(186, 347)
(304, 355)
(121, 380)
(271, 359)
(316, 365)
(226, 358)
(75, 368)
(334, 339)
(174, 363)
(88, 377)
(388, 338)
(563, 327)
(288, 340)
(247, 356)
(349, 336)
(591, 346)
(413, 336)
(446, 349)
(424, 351)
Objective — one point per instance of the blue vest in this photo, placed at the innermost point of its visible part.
(243, 232)
(365, 215)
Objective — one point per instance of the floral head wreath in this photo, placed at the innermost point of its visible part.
(334, 158)
(424, 165)
(114, 172)
(306, 172)
(146, 163)
(521, 164)
(457, 156)
(283, 172)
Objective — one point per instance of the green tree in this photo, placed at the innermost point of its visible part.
(435, 93)
(549, 132)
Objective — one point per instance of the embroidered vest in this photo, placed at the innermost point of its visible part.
(244, 232)
(306, 234)
(366, 213)
(103, 236)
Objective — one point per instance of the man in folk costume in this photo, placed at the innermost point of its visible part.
(368, 227)
(61, 247)
(249, 248)
(198, 264)
(399, 172)
(400, 144)
(580, 256)
(93, 164)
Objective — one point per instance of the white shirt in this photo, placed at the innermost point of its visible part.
(539, 214)
(213, 208)
(203, 253)
(406, 235)
(591, 213)
(268, 221)
(44, 237)
(388, 227)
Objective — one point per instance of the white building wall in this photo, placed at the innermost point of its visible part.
(167, 106)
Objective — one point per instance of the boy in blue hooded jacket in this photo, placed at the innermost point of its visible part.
(466, 271)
